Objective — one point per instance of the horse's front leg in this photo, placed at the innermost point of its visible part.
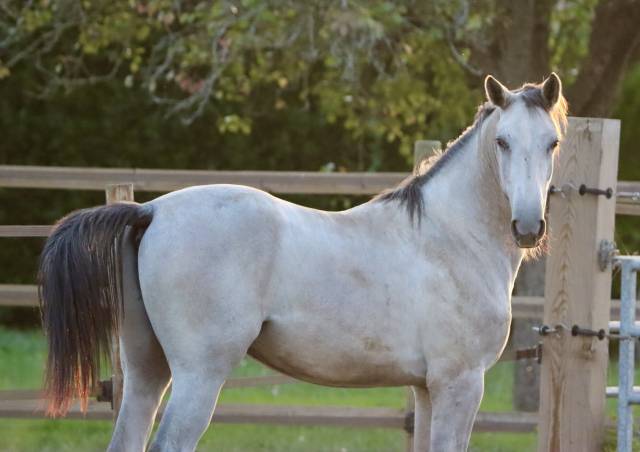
(455, 400)
(422, 419)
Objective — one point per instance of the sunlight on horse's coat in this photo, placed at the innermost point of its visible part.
(411, 288)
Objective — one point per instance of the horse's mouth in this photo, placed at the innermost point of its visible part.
(527, 240)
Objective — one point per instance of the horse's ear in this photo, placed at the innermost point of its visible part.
(552, 89)
(497, 93)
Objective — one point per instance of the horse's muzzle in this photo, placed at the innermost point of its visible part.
(528, 239)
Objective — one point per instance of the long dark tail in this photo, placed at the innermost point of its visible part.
(79, 286)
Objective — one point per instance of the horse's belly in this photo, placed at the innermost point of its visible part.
(336, 359)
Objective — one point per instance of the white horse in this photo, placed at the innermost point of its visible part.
(412, 288)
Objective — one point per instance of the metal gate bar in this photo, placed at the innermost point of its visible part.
(629, 331)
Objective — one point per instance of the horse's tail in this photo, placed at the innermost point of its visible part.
(80, 292)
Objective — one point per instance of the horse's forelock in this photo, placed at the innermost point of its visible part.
(532, 96)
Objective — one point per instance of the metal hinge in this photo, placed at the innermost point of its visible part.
(606, 253)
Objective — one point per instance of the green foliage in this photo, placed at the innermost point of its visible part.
(383, 71)
(628, 110)
(570, 29)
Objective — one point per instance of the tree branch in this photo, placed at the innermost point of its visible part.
(450, 32)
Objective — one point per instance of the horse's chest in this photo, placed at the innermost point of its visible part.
(467, 319)
(495, 321)
(481, 330)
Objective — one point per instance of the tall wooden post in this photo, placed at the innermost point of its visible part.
(526, 378)
(423, 149)
(409, 412)
(116, 193)
(577, 291)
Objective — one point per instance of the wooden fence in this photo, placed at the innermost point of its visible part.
(27, 407)
(45, 177)
(29, 404)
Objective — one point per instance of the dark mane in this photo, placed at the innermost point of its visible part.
(409, 192)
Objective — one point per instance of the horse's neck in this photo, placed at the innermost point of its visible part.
(466, 201)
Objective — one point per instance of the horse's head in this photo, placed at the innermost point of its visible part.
(529, 128)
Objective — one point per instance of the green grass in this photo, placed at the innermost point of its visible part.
(21, 362)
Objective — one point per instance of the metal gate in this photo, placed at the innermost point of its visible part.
(629, 331)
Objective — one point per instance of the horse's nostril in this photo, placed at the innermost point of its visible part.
(543, 228)
(514, 227)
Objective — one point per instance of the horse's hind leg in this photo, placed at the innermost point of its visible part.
(203, 343)
(145, 369)
(145, 381)
(198, 375)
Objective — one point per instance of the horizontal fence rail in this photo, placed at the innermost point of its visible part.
(284, 182)
(158, 180)
(289, 416)
(230, 383)
(24, 231)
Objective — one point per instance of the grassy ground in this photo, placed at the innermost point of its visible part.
(21, 360)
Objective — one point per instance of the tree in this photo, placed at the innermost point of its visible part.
(379, 69)
(591, 43)
(354, 64)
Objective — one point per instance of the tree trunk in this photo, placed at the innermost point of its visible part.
(615, 36)
(519, 50)
(522, 42)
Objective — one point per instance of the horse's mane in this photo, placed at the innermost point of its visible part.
(409, 191)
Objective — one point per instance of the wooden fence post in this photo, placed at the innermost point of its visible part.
(116, 193)
(423, 149)
(526, 378)
(577, 291)
(409, 412)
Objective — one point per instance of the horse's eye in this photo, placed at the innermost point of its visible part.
(502, 144)
(553, 146)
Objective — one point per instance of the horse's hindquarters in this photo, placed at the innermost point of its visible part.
(199, 284)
